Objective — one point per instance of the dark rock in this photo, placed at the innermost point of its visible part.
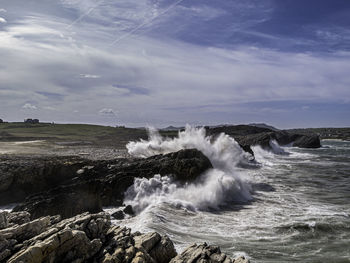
(247, 149)
(24, 176)
(128, 210)
(67, 201)
(308, 141)
(248, 136)
(105, 182)
(119, 215)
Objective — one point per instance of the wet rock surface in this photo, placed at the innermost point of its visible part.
(92, 238)
(102, 183)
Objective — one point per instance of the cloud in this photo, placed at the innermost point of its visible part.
(3, 20)
(106, 112)
(29, 106)
(170, 69)
(2, 10)
(89, 76)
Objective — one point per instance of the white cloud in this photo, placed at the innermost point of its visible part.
(106, 112)
(89, 76)
(49, 108)
(3, 10)
(29, 106)
(41, 55)
(3, 20)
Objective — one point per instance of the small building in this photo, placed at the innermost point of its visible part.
(31, 121)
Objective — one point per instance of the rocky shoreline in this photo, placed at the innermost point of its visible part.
(59, 217)
(92, 238)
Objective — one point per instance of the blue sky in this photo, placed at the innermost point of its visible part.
(167, 62)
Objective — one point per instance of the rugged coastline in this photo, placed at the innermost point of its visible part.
(52, 188)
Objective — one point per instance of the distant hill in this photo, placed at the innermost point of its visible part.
(263, 125)
(172, 128)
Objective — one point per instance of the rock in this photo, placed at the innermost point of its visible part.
(128, 210)
(241, 259)
(3, 219)
(48, 239)
(119, 215)
(248, 135)
(21, 176)
(281, 137)
(91, 238)
(66, 201)
(308, 141)
(104, 183)
(18, 218)
(202, 253)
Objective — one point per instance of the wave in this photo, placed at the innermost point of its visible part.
(219, 186)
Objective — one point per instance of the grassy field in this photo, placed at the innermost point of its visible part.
(70, 133)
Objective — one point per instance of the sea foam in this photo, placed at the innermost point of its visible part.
(219, 186)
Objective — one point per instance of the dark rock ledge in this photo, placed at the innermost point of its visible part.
(89, 185)
(92, 238)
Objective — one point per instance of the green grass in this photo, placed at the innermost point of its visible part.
(95, 134)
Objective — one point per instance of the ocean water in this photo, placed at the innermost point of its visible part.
(290, 205)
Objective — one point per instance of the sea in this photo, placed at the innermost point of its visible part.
(286, 205)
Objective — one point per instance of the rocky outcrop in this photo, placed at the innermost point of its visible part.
(83, 238)
(308, 141)
(10, 219)
(103, 183)
(21, 176)
(281, 137)
(248, 136)
(205, 253)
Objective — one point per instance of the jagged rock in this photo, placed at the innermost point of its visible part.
(18, 218)
(3, 219)
(205, 253)
(202, 253)
(92, 238)
(10, 219)
(105, 182)
(48, 239)
(241, 259)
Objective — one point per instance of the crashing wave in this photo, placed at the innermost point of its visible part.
(222, 185)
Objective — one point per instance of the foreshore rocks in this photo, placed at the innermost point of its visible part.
(103, 183)
(205, 253)
(92, 238)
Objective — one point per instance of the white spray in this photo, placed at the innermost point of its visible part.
(219, 186)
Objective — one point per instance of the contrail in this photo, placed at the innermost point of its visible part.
(84, 15)
(145, 23)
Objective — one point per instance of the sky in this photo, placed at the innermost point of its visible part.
(172, 62)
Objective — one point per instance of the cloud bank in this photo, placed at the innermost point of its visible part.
(199, 63)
